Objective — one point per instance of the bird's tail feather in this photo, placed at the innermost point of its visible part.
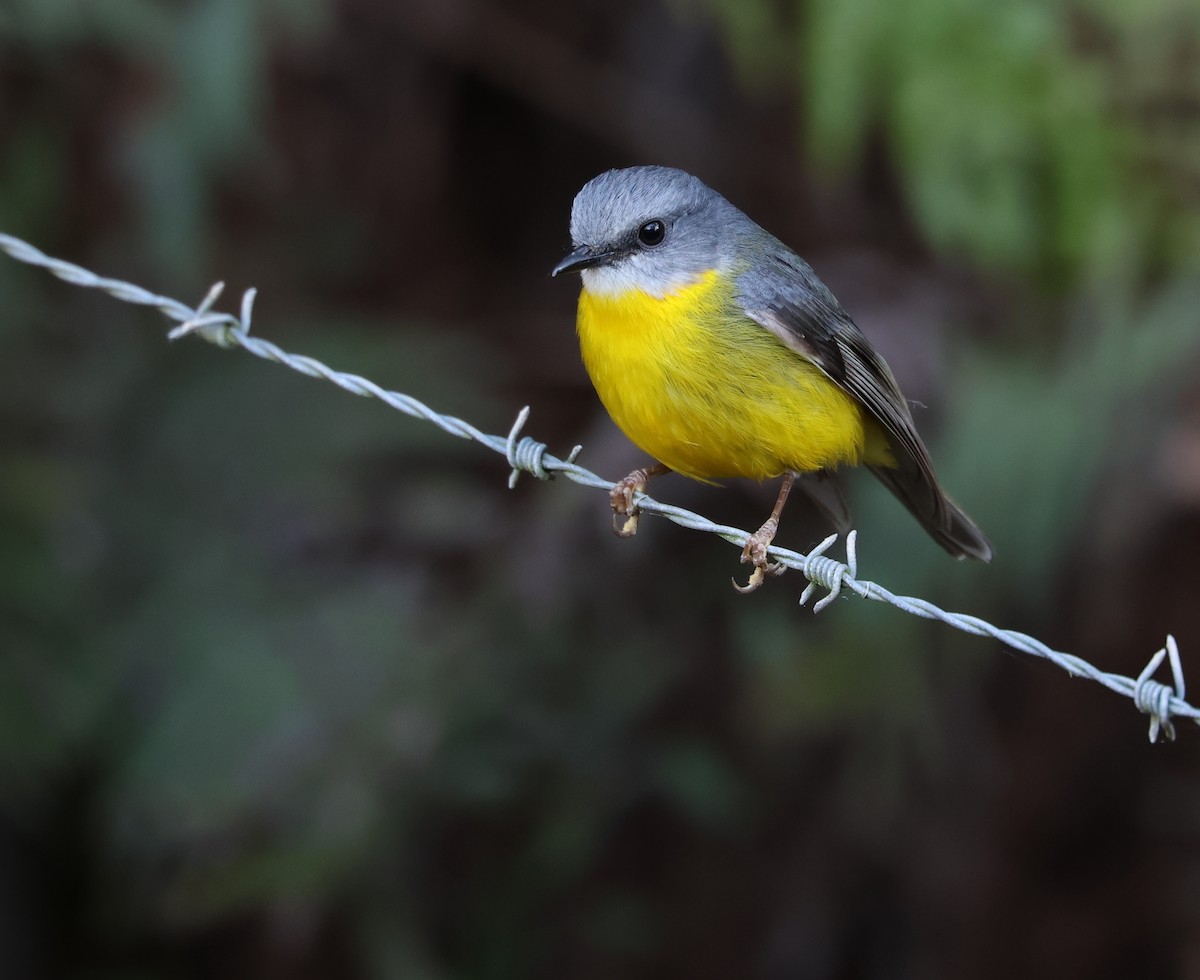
(946, 522)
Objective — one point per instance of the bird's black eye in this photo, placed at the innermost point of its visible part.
(652, 233)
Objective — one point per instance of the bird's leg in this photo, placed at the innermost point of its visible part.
(755, 551)
(622, 496)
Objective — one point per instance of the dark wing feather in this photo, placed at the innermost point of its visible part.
(789, 300)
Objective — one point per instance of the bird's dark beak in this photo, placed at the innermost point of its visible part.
(584, 257)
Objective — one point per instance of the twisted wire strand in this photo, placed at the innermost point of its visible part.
(1161, 702)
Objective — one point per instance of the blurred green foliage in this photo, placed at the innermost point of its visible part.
(1022, 133)
(209, 60)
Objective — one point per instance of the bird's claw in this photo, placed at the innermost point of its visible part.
(755, 553)
(621, 497)
(758, 576)
(629, 528)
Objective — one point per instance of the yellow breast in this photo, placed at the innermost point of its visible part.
(709, 392)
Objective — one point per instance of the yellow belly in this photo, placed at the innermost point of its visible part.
(711, 395)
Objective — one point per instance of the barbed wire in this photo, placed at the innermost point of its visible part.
(1161, 702)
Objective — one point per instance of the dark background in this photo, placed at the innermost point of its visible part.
(293, 686)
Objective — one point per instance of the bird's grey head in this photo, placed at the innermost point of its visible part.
(656, 229)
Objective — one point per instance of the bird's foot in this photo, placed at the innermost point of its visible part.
(755, 553)
(625, 512)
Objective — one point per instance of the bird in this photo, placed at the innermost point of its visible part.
(719, 353)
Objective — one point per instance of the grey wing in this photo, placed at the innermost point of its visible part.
(800, 311)
(786, 297)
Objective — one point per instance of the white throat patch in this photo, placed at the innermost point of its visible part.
(622, 277)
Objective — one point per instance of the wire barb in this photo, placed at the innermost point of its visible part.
(829, 573)
(525, 454)
(1154, 699)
